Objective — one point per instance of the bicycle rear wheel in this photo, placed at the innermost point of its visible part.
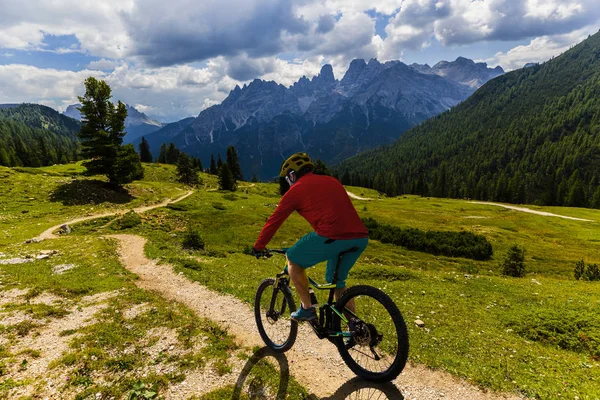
(378, 349)
(275, 326)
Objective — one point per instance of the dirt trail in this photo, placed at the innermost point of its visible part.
(314, 363)
(527, 210)
(48, 233)
(357, 197)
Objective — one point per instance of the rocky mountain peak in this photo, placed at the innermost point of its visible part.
(326, 75)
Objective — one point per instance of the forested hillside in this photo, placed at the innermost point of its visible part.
(529, 136)
(33, 135)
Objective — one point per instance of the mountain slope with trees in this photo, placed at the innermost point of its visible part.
(33, 135)
(529, 136)
(331, 119)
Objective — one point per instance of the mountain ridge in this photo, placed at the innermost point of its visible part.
(529, 136)
(371, 105)
(137, 124)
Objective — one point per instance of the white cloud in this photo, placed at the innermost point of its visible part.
(24, 83)
(103, 64)
(97, 25)
(538, 50)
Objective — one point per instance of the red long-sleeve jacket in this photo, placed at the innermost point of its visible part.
(324, 203)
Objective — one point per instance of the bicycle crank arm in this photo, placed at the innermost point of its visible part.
(375, 355)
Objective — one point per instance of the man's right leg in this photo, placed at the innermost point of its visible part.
(300, 280)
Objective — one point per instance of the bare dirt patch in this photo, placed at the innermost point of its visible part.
(48, 345)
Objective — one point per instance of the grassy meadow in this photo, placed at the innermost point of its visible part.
(74, 325)
(538, 335)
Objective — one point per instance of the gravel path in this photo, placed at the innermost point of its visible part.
(49, 233)
(314, 363)
(527, 210)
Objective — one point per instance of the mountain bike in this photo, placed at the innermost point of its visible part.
(364, 323)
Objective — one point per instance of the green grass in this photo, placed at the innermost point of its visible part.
(502, 333)
(536, 335)
(110, 355)
(34, 199)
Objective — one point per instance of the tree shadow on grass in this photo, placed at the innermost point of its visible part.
(81, 192)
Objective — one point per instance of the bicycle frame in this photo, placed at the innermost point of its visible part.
(323, 326)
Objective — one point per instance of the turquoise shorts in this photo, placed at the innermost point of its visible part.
(312, 249)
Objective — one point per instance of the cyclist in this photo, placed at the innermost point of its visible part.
(324, 203)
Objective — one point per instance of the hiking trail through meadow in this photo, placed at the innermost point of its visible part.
(314, 363)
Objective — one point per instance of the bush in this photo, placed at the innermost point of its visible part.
(579, 270)
(514, 262)
(589, 273)
(592, 273)
(451, 244)
(128, 220)
(570, 329)
(218, 206)
(192, 239)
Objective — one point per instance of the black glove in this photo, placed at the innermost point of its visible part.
(257, 253)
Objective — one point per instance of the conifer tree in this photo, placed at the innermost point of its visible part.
(234, 163)
(145, 154)
(102, 132)
(219, 162)
(162, 156)
(213, 166)
(226, 179)
(172, 154)
(321, 168)
(186, 173)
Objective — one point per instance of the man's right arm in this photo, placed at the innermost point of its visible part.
(284, 209)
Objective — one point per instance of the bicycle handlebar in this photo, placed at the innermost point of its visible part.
(276, 251)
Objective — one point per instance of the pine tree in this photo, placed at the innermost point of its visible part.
(145, 154)
(234, 163)
(185, 171)
(219, 162)
(172, 154)
(198, 165)
(127, 168)
(226, 179)
(254, 178)
(321, 168)
(4, 158)
(102, 132)
(162, 157)
(213, 166)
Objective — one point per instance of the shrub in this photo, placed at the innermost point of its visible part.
(128, 220)
(452, 244)
(592, 273)
(579, 269)
(514, 262)
(218, 206)
(192, 239)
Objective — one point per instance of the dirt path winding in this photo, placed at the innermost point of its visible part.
(357, 197)
(314, 363)
(49, 233)
(527, 210)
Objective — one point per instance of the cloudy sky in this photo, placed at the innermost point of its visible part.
(171, 59)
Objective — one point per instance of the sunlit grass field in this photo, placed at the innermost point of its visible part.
(538, 335)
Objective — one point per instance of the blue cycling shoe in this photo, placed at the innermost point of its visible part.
(302, 314)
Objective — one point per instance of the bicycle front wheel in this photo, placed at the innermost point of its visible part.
(272, 309)
(378, 348)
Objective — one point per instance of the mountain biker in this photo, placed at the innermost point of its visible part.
(324, 203)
